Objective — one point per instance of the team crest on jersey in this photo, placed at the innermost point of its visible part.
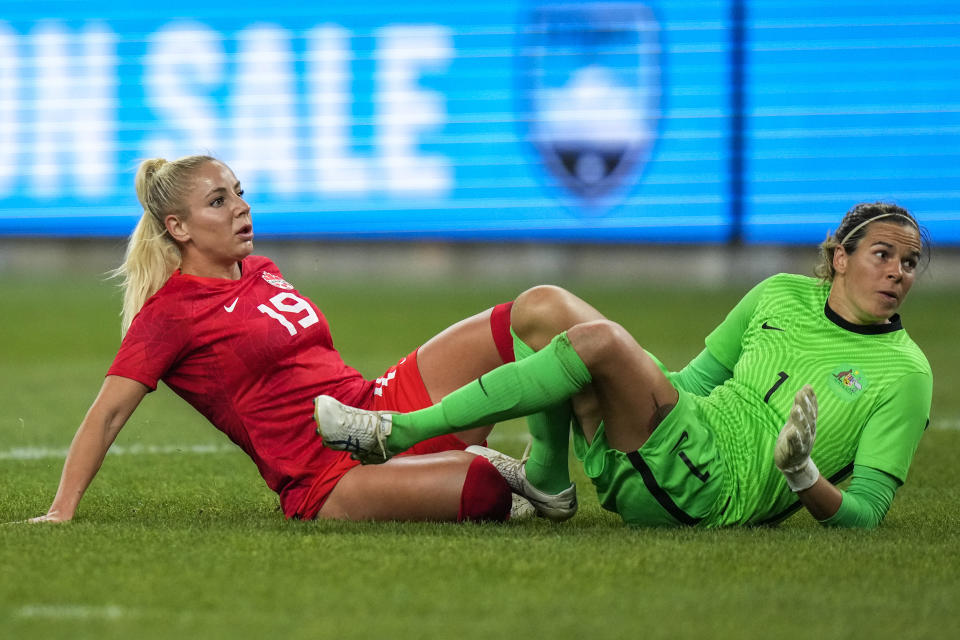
(848, 382)
(276, 281)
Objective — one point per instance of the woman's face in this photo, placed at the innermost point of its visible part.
(872, 282)
(218, 229)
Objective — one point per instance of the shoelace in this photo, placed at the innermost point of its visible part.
(371, 420)
(526, 453)
(381, 440)
(517, 471)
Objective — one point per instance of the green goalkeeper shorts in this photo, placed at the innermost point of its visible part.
(675, 478)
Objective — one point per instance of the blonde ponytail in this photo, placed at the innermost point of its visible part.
(152, 255)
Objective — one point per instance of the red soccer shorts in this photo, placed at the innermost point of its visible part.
(401, 389)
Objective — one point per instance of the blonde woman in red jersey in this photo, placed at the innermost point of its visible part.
(227, 333)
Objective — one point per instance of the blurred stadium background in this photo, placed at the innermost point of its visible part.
(444, 131)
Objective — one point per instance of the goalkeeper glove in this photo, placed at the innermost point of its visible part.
(795, 442)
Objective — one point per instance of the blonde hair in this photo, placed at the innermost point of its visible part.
(152, 255)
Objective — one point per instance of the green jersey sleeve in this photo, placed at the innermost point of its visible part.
(866, 500)
(726, 341)
(893, 431)
(701, 376)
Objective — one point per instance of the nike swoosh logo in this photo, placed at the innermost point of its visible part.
(230, 308)
(766, 326)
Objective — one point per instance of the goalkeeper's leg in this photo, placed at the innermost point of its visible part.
(632, 392)
(547, 467)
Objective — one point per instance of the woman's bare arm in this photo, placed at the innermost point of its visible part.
(111, 409)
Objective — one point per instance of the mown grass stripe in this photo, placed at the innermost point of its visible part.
(46, 453)
(72, 612)
(60, 453)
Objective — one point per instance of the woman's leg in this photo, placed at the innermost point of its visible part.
(540, 313)
(447, 486)
(457, 355)
(466, 350)
(452, 485)
(632, 392)
(629, 391)
(537, 316)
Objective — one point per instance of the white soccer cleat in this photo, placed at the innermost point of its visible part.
(360, 432)
(521, 509)
(558, 507)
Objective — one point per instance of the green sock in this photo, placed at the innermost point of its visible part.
(547, 468)
(531, 385)
(521, 350)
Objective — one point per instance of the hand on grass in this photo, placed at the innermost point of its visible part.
(51, 516)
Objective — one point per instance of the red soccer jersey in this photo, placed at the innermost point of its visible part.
(250, 355)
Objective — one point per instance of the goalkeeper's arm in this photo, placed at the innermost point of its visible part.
(866, 500)
(863, 505)
(701, 375)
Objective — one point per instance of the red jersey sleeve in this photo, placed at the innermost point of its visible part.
(155, 341)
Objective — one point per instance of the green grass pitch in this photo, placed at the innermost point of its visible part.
(179, 537)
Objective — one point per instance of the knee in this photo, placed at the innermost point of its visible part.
(601, 343)
(543, 311)
(538, 306)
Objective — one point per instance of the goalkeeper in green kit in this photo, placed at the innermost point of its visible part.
(806, 381)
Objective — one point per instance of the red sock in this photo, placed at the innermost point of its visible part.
(500, 329)
(485, 495)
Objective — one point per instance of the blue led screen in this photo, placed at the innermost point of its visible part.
(847, 102)
(577, 122)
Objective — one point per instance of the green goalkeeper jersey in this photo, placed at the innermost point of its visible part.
(873, 386)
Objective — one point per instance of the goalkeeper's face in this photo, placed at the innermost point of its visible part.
(873, 281)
